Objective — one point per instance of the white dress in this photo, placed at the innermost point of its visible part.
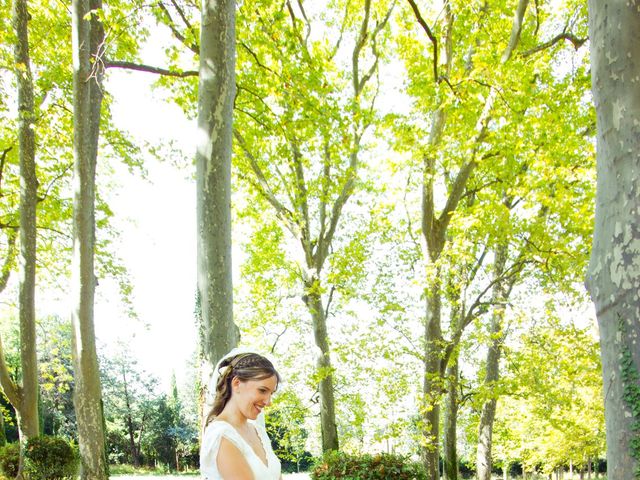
(211, 444)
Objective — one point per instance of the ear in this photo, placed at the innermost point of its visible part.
(235, 382)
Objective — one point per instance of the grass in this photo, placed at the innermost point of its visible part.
(147, 471)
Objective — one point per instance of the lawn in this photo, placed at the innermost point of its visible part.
(286, 476)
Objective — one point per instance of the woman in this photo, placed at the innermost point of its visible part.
(235, 446)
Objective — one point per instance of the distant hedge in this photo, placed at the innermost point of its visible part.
(382, 466)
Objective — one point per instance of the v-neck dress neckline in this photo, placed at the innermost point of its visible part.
(265, 462)
(210, 446)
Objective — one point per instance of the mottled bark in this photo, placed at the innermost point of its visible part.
(86, 36)
(492, 367)
(613, 277)
(213, 179)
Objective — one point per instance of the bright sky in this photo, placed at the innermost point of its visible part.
(157, 220)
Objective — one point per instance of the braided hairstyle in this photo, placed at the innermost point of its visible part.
(245, 366)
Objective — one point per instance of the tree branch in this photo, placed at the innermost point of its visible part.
(263, 187)
(360, 42)
(9, 387)
(429, 33)
(184, 18)
(456, 193)
(3, 159)
(428, 205)
(258, 62)
(149, 69)
(54, 180)
(12, 253)
(301, 199)
(345, 193)
(329, 300)
(516, 29)
(306, 19)
(172, 25)
(324, 195)
(301, 40)
(577, 43)
(342, 29)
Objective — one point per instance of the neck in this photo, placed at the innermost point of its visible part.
(233, 416)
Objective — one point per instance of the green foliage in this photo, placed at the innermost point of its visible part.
(554, 414)
(50, 458)
(169, 437)
(285, 426)
(161, 425)
(10, 459)
(336, 465)
(56, 377)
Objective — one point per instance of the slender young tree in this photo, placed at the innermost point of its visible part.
(613, 278)
(24, 397)
(87, 41)
(492, 367)
(213, 179)
(304, 155)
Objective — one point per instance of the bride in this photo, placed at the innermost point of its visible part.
(234, 445)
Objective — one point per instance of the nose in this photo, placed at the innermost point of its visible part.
(268, 401)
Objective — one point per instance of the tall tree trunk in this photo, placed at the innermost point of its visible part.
(432, 385)
(328, 428)
(492, 368)
(27, 405)
(213, 179)
(613, 277)
(87, 99)
(449, 433)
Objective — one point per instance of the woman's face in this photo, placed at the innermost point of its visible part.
(252, 396)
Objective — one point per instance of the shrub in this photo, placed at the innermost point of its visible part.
(50, 458)
(382, 466)
(10, 459)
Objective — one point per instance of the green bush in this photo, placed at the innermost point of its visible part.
(382, 466)
(50, 458)
(9, 459)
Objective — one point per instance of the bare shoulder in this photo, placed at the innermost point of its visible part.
(231, 463)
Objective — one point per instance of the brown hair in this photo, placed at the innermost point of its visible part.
(245, 366)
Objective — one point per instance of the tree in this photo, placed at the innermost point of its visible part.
(492, 368)
(473, 113)
(129, 401)
(301, 132)
(24, 398)
(216, 93)
(613, 276)
(56, 377)
(88, 40)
